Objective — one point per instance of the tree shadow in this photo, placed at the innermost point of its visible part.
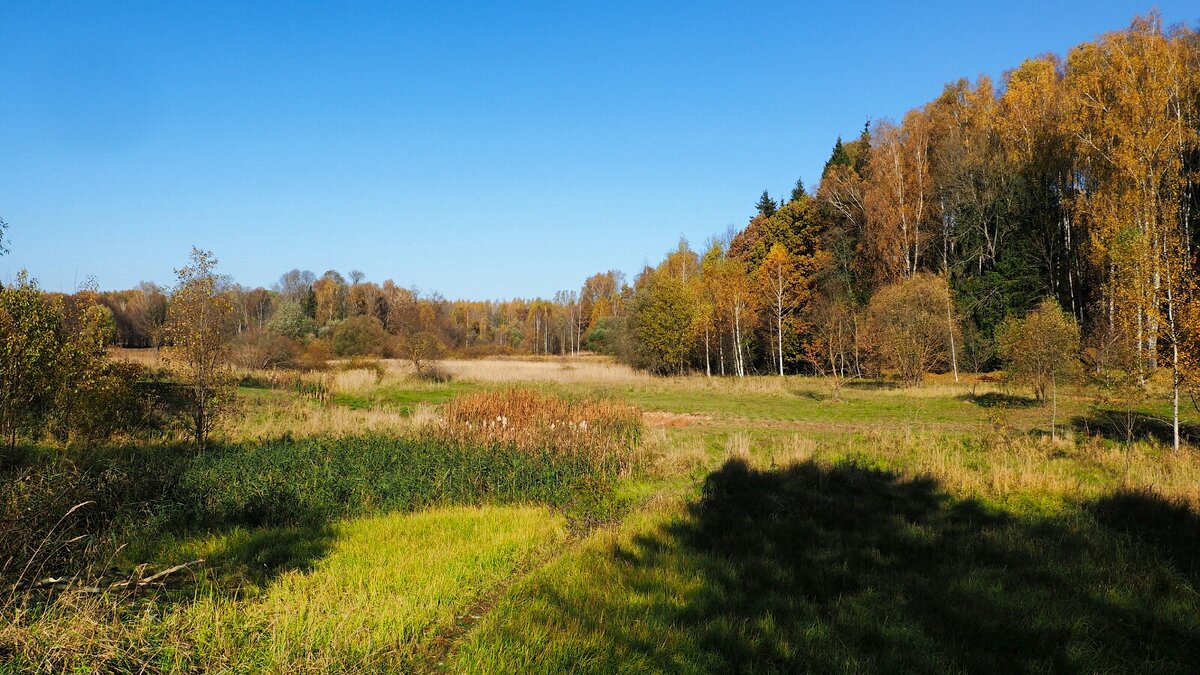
(853, 569)
(1124, 426)
(259, 555)
(112, 513)
(994, 399)
(1170, 529)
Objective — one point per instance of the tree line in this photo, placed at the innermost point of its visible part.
(1066, 196)
(1075, 179)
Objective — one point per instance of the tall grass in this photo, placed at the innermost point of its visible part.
(301, 419)
(1005, 467)
(382, 590)
(59, 512)
(601, 432)
(562, 370)
(314, 480)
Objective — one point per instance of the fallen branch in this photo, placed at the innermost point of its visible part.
(68, 583)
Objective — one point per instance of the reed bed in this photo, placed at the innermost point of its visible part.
(605, 432)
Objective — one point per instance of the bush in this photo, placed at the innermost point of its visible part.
(909, 326)
(359, 336)
(434, 372)
(122, 399)
(606, 336)
(314, 356)
(1042, 348)
(263, 350)
(291, 321)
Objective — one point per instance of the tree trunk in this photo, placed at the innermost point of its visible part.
(707, 359)
(721, 351)
(779, 334)
(1054, 408)
(1172, 326)
(737, 346)
(950, 327)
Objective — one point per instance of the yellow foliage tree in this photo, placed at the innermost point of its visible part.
(198, 326)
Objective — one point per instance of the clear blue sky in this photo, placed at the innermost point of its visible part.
(482, 150)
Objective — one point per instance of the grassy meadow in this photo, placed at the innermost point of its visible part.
(549, 515)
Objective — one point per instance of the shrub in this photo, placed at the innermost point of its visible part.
(121, 398)
(291, 321)
(261, 350)
(422, 349)
(434, 372)
(314, 356)
(359, 336)
(60, 513)
(43, 363)
(606, 336)
(909, 326)
(1042, 348)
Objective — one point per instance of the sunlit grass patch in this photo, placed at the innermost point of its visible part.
(403, 395)
(372, 596)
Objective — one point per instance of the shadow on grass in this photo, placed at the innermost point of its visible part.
(994, 399)
(1170, 529)
(100, 512)
(852, 569)
(259, 555)
(1125, 426)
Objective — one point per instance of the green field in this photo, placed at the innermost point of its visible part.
(765, 526)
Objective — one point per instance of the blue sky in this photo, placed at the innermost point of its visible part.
(482, 150)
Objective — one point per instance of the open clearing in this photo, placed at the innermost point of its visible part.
(768, 526)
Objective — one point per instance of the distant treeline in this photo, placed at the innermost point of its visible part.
(1074, 179)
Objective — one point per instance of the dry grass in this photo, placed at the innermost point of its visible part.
(601, 429)
(1000, 466)
(562, 370)
(151, 358)
(301, 419)
(357, 380)
(737, 446)
(670, 455)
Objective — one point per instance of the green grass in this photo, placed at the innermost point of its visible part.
(846, 568)
(381, 596)
(388, 586)
(315, 480)
(809, 401)
(405, 396)
(773, 530)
